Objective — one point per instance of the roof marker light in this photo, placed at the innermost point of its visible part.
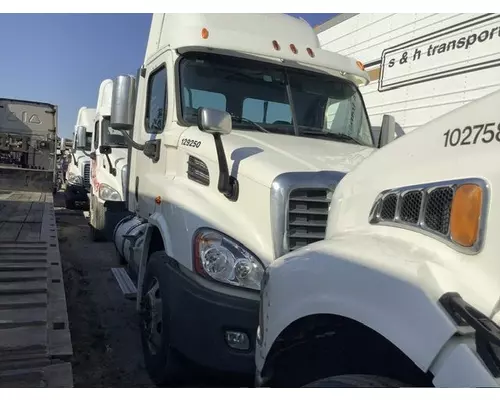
(276, 45)
(310, 52)
(204, 33)
(360, 65)
(293, 48)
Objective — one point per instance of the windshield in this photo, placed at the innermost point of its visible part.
(266, 97)
(111, 136)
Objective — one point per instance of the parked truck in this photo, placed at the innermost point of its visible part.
(35, 341)
(78, 173)
(108, 169)
(405, 289)
(240, 127)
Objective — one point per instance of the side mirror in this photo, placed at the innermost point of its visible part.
(80, 137)
(214, 121)
(219, 123)
(123, 103)
(105, 149)
(387, 130)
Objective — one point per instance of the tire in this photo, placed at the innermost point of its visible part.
(164, 365)
(357, 381)
(70, 204)
(95, 234)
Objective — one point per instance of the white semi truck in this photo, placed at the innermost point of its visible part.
(78, 173)
(240, 128)
(108, 169)
(405, 288)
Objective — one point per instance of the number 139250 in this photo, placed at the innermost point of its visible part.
(486, 133)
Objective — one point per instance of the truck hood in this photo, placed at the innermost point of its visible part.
(118, 159)
(81, 157)
(262, 156)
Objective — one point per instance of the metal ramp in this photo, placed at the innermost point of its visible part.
(35, 340)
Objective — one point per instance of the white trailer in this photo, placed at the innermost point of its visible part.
(421, 66)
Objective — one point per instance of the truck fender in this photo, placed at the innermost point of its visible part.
(323, 282)
(155, 221)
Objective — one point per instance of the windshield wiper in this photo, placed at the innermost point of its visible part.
(319, 132)
(242, 119)
(347, 137)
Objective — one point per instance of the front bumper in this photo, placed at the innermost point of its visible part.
(76, 193)
(200, 317)
(472, 357)
(112, 213)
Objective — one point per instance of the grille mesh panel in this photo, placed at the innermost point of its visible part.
(410, 206)
(86, 175)
(307, 217)
(437, 215)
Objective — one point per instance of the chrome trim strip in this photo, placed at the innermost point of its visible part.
(280, 191)
(421, 227)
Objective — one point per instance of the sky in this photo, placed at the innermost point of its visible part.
(62, 58)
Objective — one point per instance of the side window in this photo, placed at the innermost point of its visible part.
(96, 135)
(156, 101)
(267, 112)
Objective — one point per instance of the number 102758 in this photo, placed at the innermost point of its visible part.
(486, 133)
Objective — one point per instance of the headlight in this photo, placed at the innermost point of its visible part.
(75, 179)
(107, 193)
(224, 260)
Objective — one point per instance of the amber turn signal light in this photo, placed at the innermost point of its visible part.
(465, 215)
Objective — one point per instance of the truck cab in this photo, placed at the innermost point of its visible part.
(404, 289)
(240, 129)
(108, 169)
(78, 172)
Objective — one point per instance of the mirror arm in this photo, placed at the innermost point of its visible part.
(74, 159)
(112, 169)
(131, 141)
(227, 185)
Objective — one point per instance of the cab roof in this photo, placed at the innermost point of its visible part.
(86, 118)
(103, 107)
(252, 36)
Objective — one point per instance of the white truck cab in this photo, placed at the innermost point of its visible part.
(78, 172)
(241, 128)
(108, 169)
(405, 288)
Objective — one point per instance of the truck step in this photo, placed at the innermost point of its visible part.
(126, 285)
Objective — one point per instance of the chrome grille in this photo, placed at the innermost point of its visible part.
(86, 175)
(307, 217)
(427, 209)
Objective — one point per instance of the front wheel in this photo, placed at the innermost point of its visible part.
(70, 204)
(163, 364)
(357, 381)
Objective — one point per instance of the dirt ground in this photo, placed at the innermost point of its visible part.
(103, 324)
